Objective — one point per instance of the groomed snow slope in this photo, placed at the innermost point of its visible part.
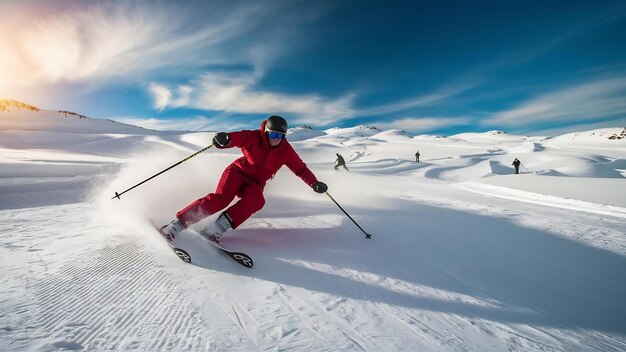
(464, 255)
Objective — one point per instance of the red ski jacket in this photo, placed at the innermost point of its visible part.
(261, 161)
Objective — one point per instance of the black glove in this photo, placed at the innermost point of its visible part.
(221, 140)
(320, 187)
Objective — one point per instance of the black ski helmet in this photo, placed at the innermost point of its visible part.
(276, 124)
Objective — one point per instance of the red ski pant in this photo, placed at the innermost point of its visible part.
(231, 184)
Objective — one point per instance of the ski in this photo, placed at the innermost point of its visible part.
(241, 258)
(181, 253)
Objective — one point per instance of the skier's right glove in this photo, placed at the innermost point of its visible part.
(320, 187)
(221, 140)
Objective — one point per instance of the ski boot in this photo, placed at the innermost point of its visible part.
(214, 232)
(172, 229)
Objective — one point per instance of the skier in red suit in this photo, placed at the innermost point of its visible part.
(264, 152)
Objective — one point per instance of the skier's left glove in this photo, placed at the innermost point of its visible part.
(320, 187)
(221, 140)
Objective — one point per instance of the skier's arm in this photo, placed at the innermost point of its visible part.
(299, 168)
(232, 139)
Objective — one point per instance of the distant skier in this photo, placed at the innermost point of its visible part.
(265, 151)
(340, 162)
(417, 156)
(516, 163)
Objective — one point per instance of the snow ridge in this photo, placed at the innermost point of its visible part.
(7, 104)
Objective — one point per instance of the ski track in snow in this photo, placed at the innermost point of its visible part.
(603, 228)
(112, 296)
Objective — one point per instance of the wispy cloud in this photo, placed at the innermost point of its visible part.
(196, 123)
(618, 122)
(90, 41)
(594, 100)
(164, 97)
(416, 124)
(237, 92)
(437, 97)
(615, 12)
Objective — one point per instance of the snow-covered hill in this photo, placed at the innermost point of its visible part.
(594, 136)
(15, 115)
(465, 255)
(300, 133)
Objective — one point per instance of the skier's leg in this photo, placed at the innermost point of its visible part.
(226, 190)
(251, 201)
(172, 229)
(215, 231)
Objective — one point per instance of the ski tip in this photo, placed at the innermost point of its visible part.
(242, 259)
(183, 255)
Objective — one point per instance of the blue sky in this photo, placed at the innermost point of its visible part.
(436, 67)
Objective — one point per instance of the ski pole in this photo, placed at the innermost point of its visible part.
(367, 235)
(117, 195)
(524, 167)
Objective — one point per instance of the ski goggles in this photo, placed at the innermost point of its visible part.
(276, 135)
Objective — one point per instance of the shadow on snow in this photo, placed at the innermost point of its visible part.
(536, 277)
